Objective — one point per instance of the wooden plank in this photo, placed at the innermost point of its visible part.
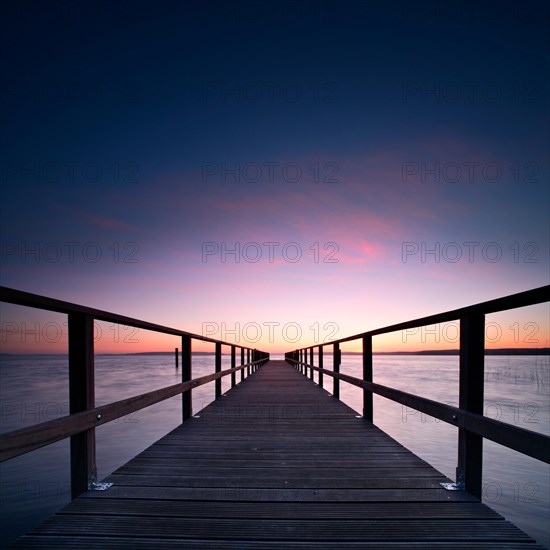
(132, 543)
(395, 481)
(383, 461)
(270, 510)
(471, 530)
(422, 491)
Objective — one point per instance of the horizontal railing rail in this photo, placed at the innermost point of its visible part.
(513, 301)
(525, 441)
(83, 415)
(22, 298)
(472, 425)
(22, 441)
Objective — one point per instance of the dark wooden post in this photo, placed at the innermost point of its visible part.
(81, 398)
(218, 368)
(176, 357)
(472, 361)
(248, 361)
(336, 368)
(367, 376)
(233, 365)
(321, 366)
(311, 362)
(186, 365)
(242, 363)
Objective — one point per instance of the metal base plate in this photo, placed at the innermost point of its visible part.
(452, 486)
(99, 486)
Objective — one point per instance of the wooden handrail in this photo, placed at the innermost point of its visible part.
(84, 417)
(21, 298)
(468, 416)
(521, 299)
(525, 441)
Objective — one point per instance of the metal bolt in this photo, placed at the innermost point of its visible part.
(98, 417)
(454, 416)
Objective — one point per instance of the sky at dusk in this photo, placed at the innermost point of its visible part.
(308, 169)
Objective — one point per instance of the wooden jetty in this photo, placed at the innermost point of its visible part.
(276, 462)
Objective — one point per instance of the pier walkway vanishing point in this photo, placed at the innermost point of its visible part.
(275, 462)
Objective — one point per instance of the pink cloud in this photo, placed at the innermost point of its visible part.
(109, 223)
(373, 250)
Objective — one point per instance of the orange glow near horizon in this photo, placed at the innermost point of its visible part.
(25, 330)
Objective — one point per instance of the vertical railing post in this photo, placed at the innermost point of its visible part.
(367, 376)
(248, 361)
(218, 368)
(472, 361)
(186, 365)
(242, 363)
(336, 368)
(321, 366)
(176, 357)
(233, 365)
(81, 398)
(311, 362)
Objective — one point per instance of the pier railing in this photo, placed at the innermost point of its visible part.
(472, 425)
(83, 415)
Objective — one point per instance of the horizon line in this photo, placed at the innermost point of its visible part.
(452, 351)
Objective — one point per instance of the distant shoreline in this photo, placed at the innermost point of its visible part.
(499, 351)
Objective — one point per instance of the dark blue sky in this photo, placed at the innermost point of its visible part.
(371, 125)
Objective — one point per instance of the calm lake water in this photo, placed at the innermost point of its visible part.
(34, 388)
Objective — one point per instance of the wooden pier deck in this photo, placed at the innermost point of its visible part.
(276, 462)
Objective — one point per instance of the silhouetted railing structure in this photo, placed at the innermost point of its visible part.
(472, 425)
(83, 416)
